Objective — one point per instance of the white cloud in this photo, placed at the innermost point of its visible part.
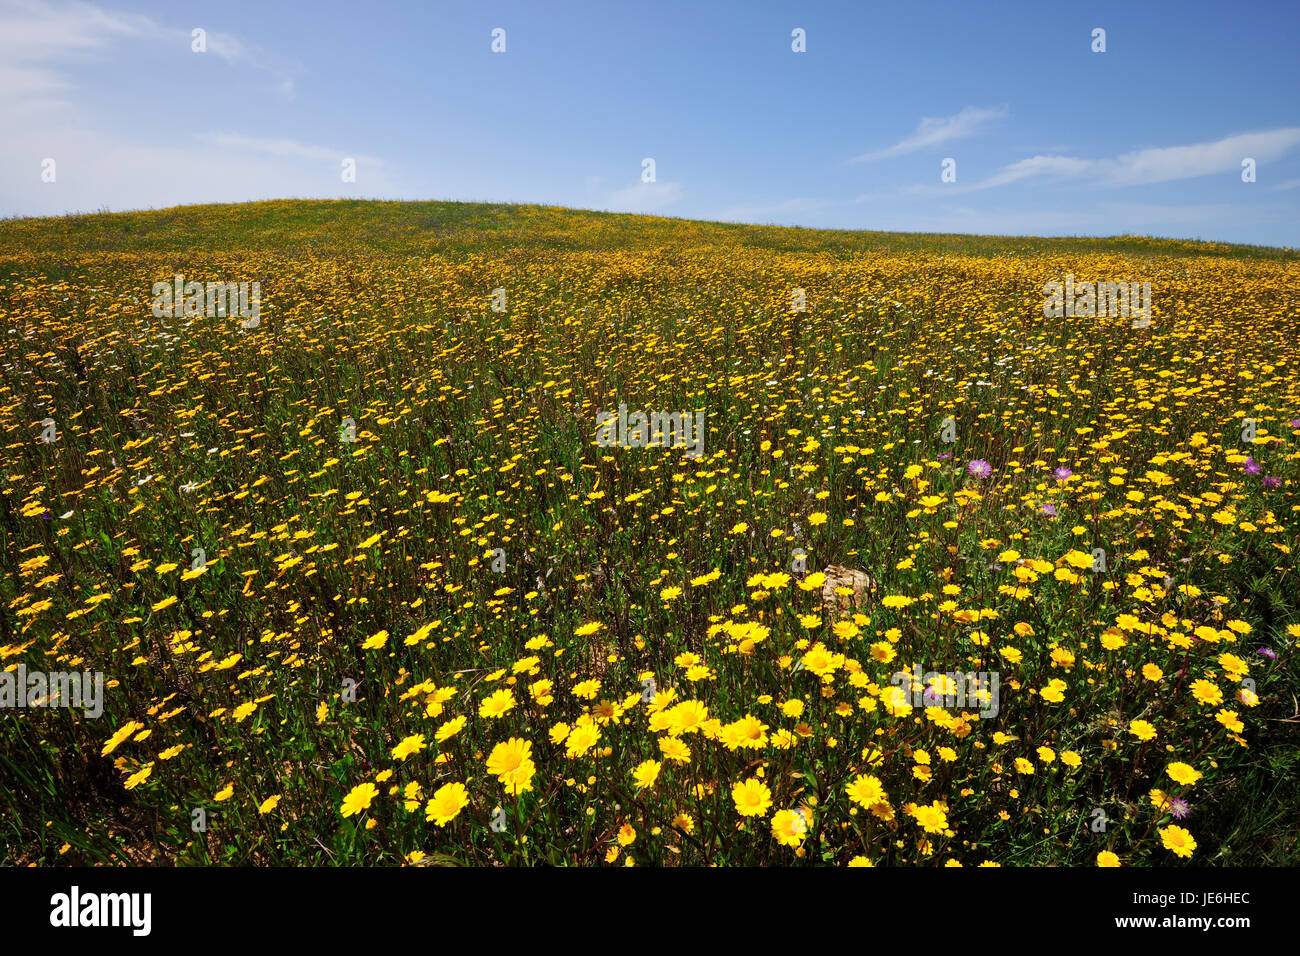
(97, 171)
(1061, 167)
(283, 148)
(33, 33)
(37, 32)
(645, 197)
(241, 53)
(1157, 165)
(935, 130)
(41, 42)
(784, 212)
(1202, 159)
(1220, 221)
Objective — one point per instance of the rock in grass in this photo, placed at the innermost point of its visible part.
(858, 582)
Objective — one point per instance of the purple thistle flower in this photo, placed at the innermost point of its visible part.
(1062, 473)
(1179, 808)
(980, 468)
(1272, 482)
(1267, 652)
(946, 454)
(1294, 423)
(1049, 510)
(1251, 467)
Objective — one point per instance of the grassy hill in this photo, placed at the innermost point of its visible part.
(423, 227)
(365, 584)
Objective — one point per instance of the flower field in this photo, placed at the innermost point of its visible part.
(365, 589)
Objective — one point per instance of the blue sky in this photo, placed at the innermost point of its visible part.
(1048, 137)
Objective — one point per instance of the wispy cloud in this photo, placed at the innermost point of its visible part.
(935, 130)
(241, 53)
(782, 212)
(37, 36)
(1210, 220)
(283, 148)
(34, 33)
(645, 197)
(1157, 165)
(45, 44)
(1059, 167)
